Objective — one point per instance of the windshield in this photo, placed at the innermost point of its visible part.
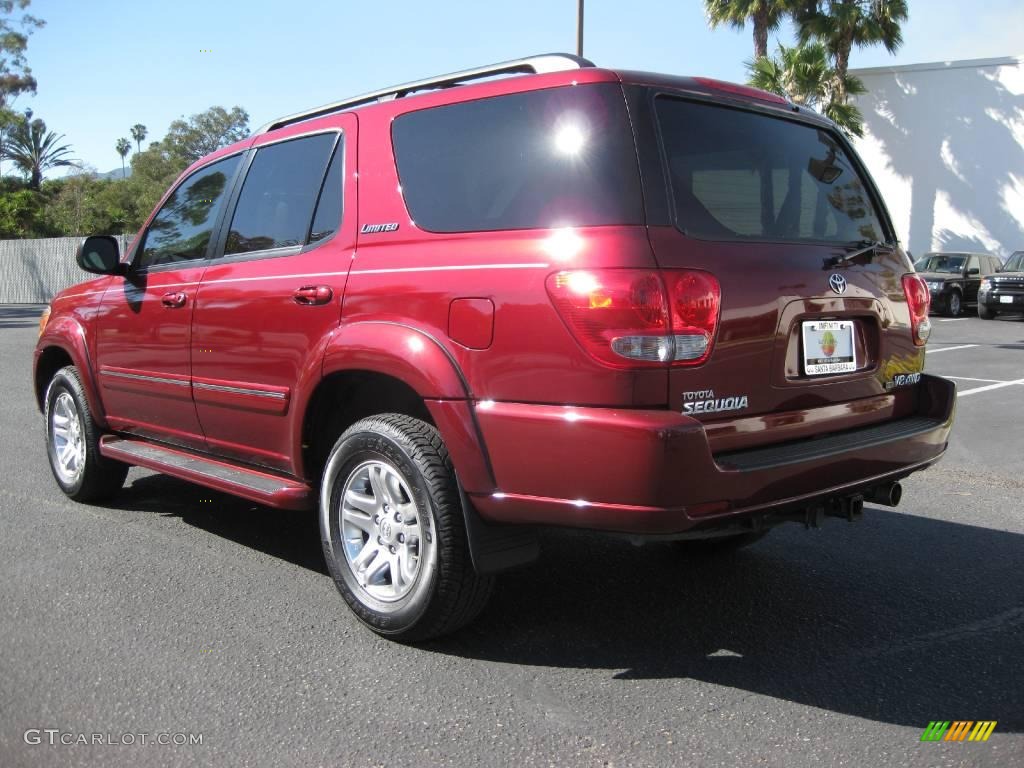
(1015, 263)
(741, 175)
(938, 262)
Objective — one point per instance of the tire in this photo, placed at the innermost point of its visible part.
(73, 442)
(723, 545)
(954, 304)
(397, 546)
(985, 313)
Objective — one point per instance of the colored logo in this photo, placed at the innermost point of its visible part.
(959, 730)
(828, 344)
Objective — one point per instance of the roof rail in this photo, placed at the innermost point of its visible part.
(548, 62)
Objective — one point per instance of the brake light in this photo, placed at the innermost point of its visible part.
(629, 318)
(919, 300)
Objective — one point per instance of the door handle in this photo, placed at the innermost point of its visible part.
(174, 300)
(311, 295)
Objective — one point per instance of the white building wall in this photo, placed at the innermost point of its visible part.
(945, 143)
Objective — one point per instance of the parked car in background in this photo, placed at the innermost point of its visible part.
(955, 278)
(1004, 291)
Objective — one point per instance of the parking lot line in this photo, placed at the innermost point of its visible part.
(952, 319)
(989, 387)
(950, 349)
(986, 381)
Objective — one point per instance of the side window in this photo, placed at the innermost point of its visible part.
(280, 190)
(329, 209)
(548, 158)
(181, 229)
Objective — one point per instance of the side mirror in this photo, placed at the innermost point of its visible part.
(101, 255)
(973, 271)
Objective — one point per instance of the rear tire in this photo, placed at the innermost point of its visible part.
(985, 313)
(393, 530)
(73, 442)
(954, 304)
(722, 545)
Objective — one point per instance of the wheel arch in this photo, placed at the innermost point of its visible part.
(62, 344)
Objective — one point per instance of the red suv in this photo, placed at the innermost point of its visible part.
(452, 311)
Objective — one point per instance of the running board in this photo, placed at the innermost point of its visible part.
(250, 484)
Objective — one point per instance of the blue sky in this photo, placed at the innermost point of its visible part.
(103, 66)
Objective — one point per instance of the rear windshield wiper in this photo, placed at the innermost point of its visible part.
(862, 247)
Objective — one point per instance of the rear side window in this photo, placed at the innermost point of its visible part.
(558, 157)
(329, 208)
(181, 229)
(742, 175)
(280, 190)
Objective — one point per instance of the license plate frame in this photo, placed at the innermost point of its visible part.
(1006, 299)
(843, 349)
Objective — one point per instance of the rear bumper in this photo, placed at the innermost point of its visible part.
(653, 472)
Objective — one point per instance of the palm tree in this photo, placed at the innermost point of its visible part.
(804, 75)
(34, 150)
(766, 16)
(123, 148)
(138, 133)
(843, 24)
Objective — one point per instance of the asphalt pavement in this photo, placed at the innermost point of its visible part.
(176, 612)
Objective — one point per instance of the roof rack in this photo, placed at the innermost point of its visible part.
(548, 62)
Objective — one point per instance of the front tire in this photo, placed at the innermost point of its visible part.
(985, 313)
(393, 531)
(73, 442)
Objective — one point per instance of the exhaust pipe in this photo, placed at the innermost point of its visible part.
(887, 495)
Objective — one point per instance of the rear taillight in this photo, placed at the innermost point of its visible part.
(628, 318)
(919, 299)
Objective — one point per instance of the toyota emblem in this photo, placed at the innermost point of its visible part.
(837, 283)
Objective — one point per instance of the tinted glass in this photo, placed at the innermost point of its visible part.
(558, 157)
(1016, 263)
(741, 175)
(181, 229)
(328, 210)
(941, 262)
(276, 204)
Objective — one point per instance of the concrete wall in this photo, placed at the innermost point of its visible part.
(32, 271)
(945, 142)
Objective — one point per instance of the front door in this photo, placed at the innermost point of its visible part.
(273, 291)
(144, 324)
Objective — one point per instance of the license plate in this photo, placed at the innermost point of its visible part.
(1006, 299)
(828, 347)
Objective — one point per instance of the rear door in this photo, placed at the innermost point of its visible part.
(972, 278)
(145, 318)
(273, 291)
(771, 206)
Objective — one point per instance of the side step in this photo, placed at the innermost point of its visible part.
(248, 483)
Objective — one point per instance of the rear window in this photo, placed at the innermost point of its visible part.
(551, 158)
(741, 175)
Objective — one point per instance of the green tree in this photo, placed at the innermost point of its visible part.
(206, 132)
(843, 24)
(138, 133)
(765, 15)
(35, 150)
(123, 147)
(18, 213)
(804, 75)
(15, 75)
